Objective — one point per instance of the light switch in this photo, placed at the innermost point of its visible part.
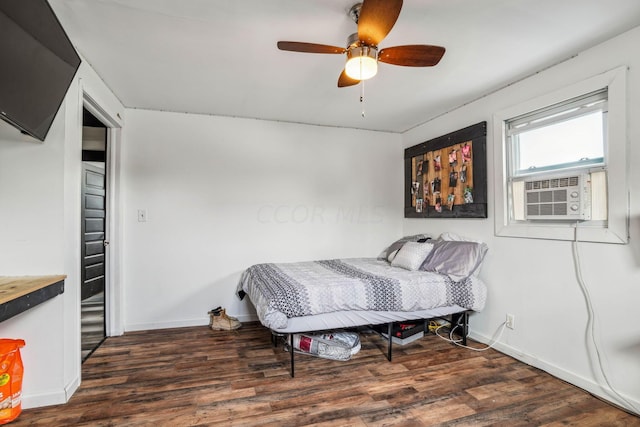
(142, 215)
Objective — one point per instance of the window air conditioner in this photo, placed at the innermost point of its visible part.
(556, 198)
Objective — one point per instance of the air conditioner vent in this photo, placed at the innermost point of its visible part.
(558, 198)
(569, 181)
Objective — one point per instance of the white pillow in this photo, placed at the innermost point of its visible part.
(395, 246)
(392, 255)
(412, 255)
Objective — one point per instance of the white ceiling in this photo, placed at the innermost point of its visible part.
(220, 57)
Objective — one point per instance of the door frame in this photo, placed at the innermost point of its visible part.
(113, 230)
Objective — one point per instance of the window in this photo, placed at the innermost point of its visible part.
(566, 136)
(578, 132)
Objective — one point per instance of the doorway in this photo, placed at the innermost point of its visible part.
(93, 236)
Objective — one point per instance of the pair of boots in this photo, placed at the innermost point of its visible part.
(219, 320)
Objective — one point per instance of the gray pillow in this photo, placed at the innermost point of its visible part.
(395, 246)
(456, 259)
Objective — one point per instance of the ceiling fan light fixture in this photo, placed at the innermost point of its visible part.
(362, 62)
(374, 19)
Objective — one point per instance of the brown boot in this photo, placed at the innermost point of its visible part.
(218, 309)
(218, 320)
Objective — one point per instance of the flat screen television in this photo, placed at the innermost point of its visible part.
(38, 63)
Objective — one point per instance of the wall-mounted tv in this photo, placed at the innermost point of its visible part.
(38, 63)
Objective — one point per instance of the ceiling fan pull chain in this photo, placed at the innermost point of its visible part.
(362, 97)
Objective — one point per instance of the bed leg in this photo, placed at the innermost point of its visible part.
(465, 327)
(460, 321)
(292, 352)
(389, 331)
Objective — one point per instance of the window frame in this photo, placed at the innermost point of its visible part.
(552, 115)
(616, 228)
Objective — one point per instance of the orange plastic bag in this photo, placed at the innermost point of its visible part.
(10, 379)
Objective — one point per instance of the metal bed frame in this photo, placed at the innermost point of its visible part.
(458, 320)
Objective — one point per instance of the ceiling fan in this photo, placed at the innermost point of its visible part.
(375, 18)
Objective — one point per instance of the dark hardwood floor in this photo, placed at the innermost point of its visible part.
(196, 376)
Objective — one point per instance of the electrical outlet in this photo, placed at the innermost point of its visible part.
(511, 321)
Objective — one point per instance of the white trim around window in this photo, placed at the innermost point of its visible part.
(616, 228)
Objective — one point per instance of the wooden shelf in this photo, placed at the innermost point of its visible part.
(20, 293)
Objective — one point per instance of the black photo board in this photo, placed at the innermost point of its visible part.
(446, 177)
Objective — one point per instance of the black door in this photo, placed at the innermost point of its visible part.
(93, 326)
(93, 231)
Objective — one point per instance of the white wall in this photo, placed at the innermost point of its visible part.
(535, 279)
(224, 193)
(31, 239)
(40, 235)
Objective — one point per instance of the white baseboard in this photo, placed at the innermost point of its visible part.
(71, 388)
(43, 399)
(587, 384)
(201, 321)
(52, 398)
(247, 318)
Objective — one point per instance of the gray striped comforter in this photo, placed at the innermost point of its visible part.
(281, 291)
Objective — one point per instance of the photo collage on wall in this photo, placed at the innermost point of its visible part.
(442, 178)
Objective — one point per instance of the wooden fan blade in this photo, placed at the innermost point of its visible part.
(376, 19)
(344, 80)
(309, 47)
(417, 55)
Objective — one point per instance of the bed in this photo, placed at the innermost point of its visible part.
(415, 278)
